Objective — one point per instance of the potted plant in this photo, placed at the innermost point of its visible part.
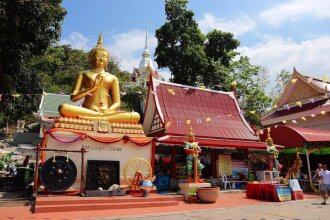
(192, 195)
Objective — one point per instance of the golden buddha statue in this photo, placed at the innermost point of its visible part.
(100, 90)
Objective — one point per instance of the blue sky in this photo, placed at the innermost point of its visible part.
(275, 34)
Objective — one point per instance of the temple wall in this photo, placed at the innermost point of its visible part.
(118, 151)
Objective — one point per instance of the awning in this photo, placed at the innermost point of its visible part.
(296, 137)
(215, 143)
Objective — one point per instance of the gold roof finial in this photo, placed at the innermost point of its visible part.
(100, 40)
(269, 139)
(191, 136)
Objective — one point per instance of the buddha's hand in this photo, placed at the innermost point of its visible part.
(97, 81)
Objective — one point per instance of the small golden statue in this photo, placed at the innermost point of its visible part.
(100, 90)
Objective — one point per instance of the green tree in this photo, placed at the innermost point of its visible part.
(134, 99)
(27, 28)
(180, 44)
(282, 80)
(192, 58)
(250, 88)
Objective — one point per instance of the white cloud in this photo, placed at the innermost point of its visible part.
(296, 9)
(310, 57)
(237, 26)
(77, 41)
(128, 48)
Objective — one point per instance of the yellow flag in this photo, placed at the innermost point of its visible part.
(252, 112)
(168, 124)
(322, 112)
(15, 95)
(44, 93)
(294, 80)
(208, 119)
(188, 122)
(325, 79)
(274, 106)
(299, 104)
(203, 87)
(284, 121)
(234, 83)
(303, 118)
(171, 91)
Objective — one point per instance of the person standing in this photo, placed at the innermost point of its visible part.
(325, 186)
(317, 174)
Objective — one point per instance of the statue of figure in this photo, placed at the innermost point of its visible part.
(100, 90)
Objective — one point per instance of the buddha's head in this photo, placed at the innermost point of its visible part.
(98, 56)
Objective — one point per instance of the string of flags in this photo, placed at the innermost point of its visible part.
(179, 123)
(17, 95)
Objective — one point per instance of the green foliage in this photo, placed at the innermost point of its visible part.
(282, 80)
(192, 191)
(27, 29)
(250, 88)
(134, 99)
(193, 59)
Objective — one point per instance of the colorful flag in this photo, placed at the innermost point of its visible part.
(294, 121)
(16, 95)
(274, 106)
(208, 119)
(44, 93)
(322, 112)
(312, 115)
(309, 80)
(312, 100)
(286, 106)
(294, 80)
(284, 121)
(203, 87)
(303, 118)
(325, 79)
(198, 120)
(234, 83)
(171, 91)
(299, 104)
(188, 122)
(252, 112)
(178, 123)
(218, 116)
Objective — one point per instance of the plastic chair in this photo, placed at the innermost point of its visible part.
(225, 181)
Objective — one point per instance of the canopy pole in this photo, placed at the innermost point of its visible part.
(309, 170)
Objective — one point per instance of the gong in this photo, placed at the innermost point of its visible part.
(58, 174)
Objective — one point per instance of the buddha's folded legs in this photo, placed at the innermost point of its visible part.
(72, 111)
(124, 117)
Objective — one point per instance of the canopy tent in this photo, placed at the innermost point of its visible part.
(303, 140)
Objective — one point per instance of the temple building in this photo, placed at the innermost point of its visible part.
(217, 123)
(141, 75)
(304, 103)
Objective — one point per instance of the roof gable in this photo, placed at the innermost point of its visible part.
(304, 88)
(212, 114)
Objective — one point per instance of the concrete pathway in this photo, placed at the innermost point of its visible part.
(228, 206)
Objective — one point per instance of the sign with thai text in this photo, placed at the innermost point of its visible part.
(225, 165)
(283, 192)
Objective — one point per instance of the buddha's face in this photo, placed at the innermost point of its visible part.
(100, 59)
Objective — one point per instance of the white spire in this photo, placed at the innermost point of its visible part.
(146, 52)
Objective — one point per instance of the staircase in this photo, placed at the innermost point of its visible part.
(76, 203)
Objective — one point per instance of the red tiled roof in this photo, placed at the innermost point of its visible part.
(178, 103)
(306, 107)
(292, 137)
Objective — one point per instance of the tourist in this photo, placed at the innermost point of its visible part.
(325, 186)
(317, 173)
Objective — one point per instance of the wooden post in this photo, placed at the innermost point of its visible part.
(173, 162)
(82, 176)
(36, 172)
(195, 169)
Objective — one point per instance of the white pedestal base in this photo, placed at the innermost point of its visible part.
(185, 187)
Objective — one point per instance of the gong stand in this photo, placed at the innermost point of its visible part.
(36, 176)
